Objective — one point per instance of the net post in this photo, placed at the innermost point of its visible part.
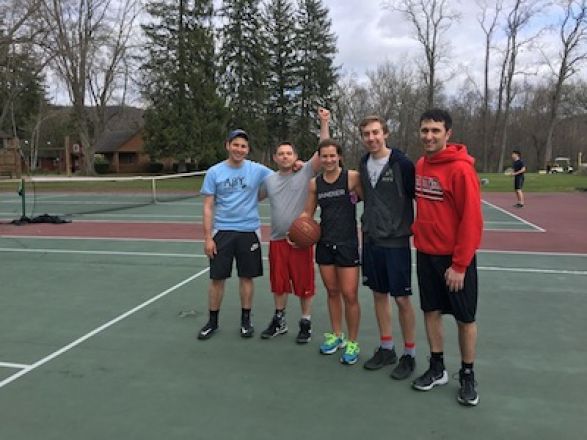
(153, 191)
(22, 194)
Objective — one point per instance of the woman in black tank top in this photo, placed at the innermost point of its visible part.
(336, 191)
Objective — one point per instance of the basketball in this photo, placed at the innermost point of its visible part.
(304, 232)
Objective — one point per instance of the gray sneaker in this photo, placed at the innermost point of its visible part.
(434, 376)
(467, 394)
(405, 367)
(277, 326)
(305, 333)
(380, 359)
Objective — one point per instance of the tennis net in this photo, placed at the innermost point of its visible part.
(75, 196)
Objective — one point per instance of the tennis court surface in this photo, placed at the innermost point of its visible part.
(98, 323)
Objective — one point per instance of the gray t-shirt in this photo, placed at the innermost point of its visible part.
(287, 196)
(374, 168)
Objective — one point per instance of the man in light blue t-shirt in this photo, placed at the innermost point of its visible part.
(231, 228)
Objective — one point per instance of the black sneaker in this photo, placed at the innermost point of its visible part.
(435, 375)
(208, 330)
(380, 359)
(406, 366)
(305, 333)
(247, 329)
(277, 326)
(467, 394)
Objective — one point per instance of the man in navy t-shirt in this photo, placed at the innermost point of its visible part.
(518, 173)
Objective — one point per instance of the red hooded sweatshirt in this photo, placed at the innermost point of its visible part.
(448, 201)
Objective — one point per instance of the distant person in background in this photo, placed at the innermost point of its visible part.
(232, 227)
(290, 268)
(519, 169)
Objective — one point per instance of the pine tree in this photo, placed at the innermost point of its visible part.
(316, 44)
(186, 117)
(21, 87)
(283, 62)
(243, 69)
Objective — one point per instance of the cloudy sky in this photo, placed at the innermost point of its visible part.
(369, 34)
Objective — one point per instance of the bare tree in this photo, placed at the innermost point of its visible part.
(17, 34)
(430, 19)
(488, 22)
(518, 18)
(15, 15)
(572, 33)
(396, 96)
(88, 41)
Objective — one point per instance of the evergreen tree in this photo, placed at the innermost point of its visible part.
(243, 70)
(283, 61)
(316, 44)
(21, 87)
(186, 117)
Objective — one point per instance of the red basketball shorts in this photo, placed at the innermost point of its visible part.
(291, 269)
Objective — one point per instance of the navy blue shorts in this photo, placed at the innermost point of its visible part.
(387, 270)
(518, 181)
(434, 293)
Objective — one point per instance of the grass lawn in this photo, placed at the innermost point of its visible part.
(535, 182)
(496, 182)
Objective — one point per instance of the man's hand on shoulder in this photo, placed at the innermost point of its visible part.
(298, 165)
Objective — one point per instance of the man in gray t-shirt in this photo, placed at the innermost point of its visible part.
(291, 269)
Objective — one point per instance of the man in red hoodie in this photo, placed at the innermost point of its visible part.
(447, 233)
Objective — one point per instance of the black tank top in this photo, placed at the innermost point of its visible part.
(338, 212)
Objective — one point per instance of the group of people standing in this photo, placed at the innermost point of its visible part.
(447, 231)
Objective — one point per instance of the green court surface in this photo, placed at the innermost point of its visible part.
(115, 207)
(98, 342)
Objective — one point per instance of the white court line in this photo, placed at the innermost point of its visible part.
(13, 365)
(514, 216)
(181, 240)
(97, 252)
(120, 239)
(97, 330)
(181, 255)
(533, 231)
(530, 270)
(544, 254)
(112, 253)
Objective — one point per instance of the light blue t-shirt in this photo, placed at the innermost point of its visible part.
(235, 191)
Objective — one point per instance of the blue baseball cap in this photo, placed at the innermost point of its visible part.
(237, 133)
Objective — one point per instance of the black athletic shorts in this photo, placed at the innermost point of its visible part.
(518, 181)
(244, 247)
(387, 270)
(434, 294)
(340, 255)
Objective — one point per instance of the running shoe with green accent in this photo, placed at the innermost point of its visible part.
(332, 342)
(351, 353)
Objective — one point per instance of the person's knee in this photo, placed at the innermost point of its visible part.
(403, 303)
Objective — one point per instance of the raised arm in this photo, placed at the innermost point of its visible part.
(324, 116)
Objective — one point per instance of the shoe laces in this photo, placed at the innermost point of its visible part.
(330, 338)
(351, 348)
(464, 379)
